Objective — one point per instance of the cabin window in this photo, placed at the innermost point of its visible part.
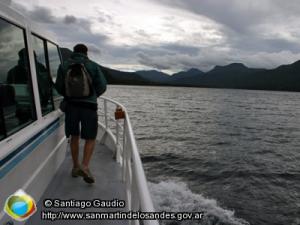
(54, 62)
(17, 108)
(43, 76)
(2, 131)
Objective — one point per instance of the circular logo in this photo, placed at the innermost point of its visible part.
(20, 206)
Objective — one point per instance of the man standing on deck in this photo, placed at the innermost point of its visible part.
(81, 81)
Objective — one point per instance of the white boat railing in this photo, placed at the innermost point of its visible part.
(137, 193)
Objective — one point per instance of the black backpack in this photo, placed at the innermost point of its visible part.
(78, 82)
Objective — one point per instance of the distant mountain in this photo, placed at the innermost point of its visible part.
(237, 75)
(285, 78)
(119, 77)
(233, 67)
(186, 78)
(154, 76)
(178, 79)
(229, 76)
(114, 76)
(186, 74)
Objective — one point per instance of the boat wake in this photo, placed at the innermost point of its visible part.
(173, 196)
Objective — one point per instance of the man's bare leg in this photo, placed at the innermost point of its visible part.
(75, 151)
(88, 151)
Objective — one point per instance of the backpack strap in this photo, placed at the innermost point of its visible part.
(90, 79)
(87, 72)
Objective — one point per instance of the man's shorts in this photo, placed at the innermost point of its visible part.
(81, 121)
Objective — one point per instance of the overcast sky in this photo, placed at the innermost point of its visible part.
(173, 35)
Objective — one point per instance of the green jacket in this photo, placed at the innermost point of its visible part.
(98, 79)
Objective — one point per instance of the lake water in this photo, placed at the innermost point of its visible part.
(234, 154)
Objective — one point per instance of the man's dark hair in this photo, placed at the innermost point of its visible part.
(80, 48)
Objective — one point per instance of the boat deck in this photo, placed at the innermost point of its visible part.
(108, 186)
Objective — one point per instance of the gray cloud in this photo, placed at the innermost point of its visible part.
(6, 2)
(236, 16)
(151, 62)
(243, 19)
(104, 17)
(142, 33)
(240, 16)
(94, 49)
(68, 29)
(42, 15)
(70, 19)
(79, 31)
(181, 49)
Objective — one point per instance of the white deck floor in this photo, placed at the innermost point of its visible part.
(108, 186)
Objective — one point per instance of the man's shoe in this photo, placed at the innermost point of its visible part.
(87, 176)
(76, 172)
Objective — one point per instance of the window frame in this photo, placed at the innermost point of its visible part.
(60, 60)
(46, 41)
(34, 35)
(30, 86)
(2, 123)
(58, 51)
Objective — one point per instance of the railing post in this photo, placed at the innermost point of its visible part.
(124, 150)
(117, 140)
(117, 132)
(105, 114)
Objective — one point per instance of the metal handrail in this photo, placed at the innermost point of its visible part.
(137, 192)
